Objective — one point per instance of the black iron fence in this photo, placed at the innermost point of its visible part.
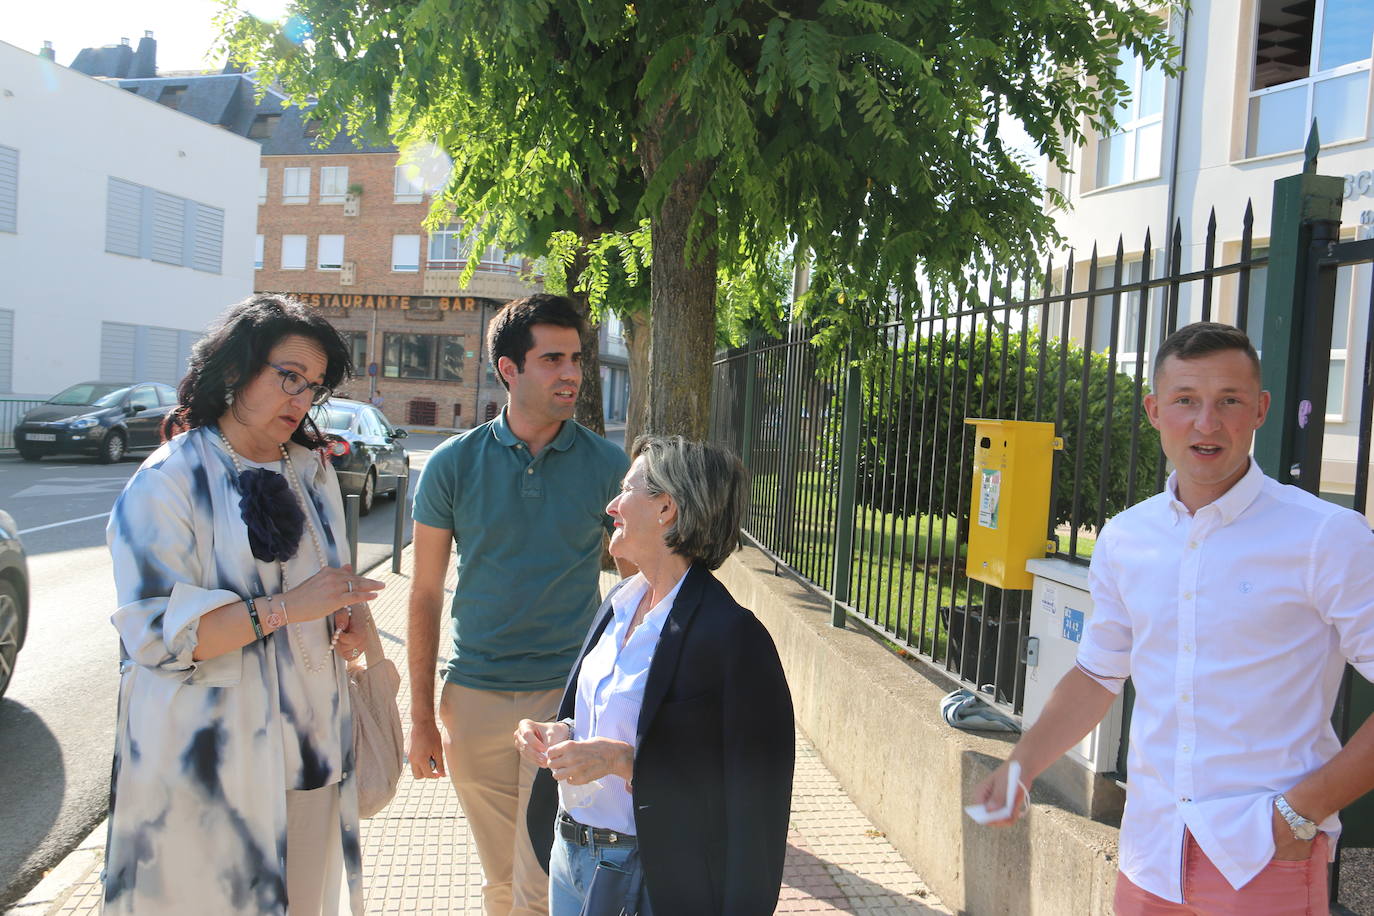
(861, 462)
(11, 409)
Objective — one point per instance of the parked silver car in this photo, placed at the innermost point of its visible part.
(367, 453)
(14, 598)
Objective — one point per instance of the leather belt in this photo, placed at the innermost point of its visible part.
(583, 835)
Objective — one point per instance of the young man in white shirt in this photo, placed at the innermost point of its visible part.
(1233, 603)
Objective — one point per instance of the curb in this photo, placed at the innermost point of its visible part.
(64, 877)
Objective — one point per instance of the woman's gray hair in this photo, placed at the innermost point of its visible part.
(710, 487)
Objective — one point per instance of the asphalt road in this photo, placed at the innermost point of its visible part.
(57, 718)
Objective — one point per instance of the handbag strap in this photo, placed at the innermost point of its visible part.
(373, 649)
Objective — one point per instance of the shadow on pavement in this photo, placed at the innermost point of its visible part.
(31, 803)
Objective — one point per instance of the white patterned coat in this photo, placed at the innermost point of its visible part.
(204, 751)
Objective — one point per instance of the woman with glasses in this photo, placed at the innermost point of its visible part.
(232, 789)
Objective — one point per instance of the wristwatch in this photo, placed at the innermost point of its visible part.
(1302, 828)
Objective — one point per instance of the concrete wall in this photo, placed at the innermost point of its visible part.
(875, 721)
(73, 133)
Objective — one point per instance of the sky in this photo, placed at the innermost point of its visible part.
(184, 29)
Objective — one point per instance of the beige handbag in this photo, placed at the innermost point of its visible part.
(378, 745)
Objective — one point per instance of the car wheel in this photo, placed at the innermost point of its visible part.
(29, 454)
(113, 448)
(11, 628)
(369, 492)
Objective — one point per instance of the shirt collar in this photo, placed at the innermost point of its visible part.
(626, 601)
(1230, 504)
(500, 428)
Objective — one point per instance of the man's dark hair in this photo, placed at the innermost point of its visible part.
(1202, 338)
(510, 333)
(236, 348)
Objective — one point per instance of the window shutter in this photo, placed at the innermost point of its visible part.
(9, 189)
(208, 245)
(123, 217)
(117, 344)
(169, 227)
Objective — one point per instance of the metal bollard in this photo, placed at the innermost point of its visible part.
(399, 531)
(351, 504)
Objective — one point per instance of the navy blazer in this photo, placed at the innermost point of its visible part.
(714, 759)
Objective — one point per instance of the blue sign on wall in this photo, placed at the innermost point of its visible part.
(1073, 625)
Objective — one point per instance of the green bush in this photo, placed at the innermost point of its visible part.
(917, 412)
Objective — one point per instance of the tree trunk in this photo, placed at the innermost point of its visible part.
(589, 407)
(637, 342)
(682, 296)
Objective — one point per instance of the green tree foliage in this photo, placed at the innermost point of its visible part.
(862, 132)
(912, 434)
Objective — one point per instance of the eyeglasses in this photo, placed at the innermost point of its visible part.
(293, 383)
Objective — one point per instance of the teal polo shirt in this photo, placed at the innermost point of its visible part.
(528, 537)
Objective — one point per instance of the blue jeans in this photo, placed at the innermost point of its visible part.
(570, 873)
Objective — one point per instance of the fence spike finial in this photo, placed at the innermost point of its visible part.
(1309, 153)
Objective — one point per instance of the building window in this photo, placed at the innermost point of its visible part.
(1128, 315)
(331, 252)
(262, 126)
(262, 186)
(424, 356)
(1311, 61)
(410, 184)
(495, 258)
(357, 350)
(9, 189)
(171, 96)
(293, 252)
(1132, 152)
(142, 222)
(449, 249)
(295, 186)
(257, 253)
(333, 184)
(405, 253)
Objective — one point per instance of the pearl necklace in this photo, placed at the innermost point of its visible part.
(294, 631)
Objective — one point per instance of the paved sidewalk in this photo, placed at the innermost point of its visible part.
(419, 858)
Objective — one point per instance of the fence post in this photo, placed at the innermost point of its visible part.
(849, 477)
(1306, 216)
(398, 532)
(751, 371)
(352, 502)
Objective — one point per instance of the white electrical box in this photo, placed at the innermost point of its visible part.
(1060, 610)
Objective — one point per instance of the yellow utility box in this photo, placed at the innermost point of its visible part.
(1012, 464)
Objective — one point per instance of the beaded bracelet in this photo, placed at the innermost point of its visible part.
(253, 616)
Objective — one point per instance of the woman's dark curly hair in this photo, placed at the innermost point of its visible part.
(236, 347)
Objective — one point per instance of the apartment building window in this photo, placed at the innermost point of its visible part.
(424, 356)
(1133, 151)
(9, 189)
(171, 96)
(142, 222)
(1128, 316)
(295, 186)
(357, 349)
(257, 253)
(262, 126)
(410, 184)
(293, 252)
(449, 249)
(262, 186)
(331, 252)
(333, 184)
(405, 253)
(496, 258)
(1312, 60)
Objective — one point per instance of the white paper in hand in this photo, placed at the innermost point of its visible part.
(982, 815)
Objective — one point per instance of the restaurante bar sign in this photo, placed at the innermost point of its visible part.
(401, 303)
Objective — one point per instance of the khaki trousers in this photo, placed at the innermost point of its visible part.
(315, 884)
(493, 785)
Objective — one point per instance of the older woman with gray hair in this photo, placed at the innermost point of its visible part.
(667, 780)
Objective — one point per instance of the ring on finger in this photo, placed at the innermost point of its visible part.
(349, 582)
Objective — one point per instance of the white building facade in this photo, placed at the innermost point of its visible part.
(125, 228)
(1255, 73)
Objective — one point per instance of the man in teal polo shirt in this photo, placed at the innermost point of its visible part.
(523, 499)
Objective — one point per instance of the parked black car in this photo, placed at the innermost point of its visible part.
(14, 598)
(106, 419)
(367, 452)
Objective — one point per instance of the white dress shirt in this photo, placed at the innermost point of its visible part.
(610, 692)
(1234, 624)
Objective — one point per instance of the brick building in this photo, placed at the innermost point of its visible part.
(340, 226)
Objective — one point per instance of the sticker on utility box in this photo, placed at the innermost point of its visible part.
(989, 496)
(1073, 625)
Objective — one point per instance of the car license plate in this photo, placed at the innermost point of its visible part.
(41, 437)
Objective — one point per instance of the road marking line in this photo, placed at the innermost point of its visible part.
(70, 521)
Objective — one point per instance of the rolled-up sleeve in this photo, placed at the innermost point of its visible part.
(1105, 653)
(152, 540)
(1342, 586)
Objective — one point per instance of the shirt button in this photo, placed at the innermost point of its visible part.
(1184, 697)
(1185, 799)
(1185, 748)
(1192, 545)
(530, 471)
(1187, 647)
(1187, 596)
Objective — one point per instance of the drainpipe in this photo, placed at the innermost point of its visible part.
(1172, 211)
